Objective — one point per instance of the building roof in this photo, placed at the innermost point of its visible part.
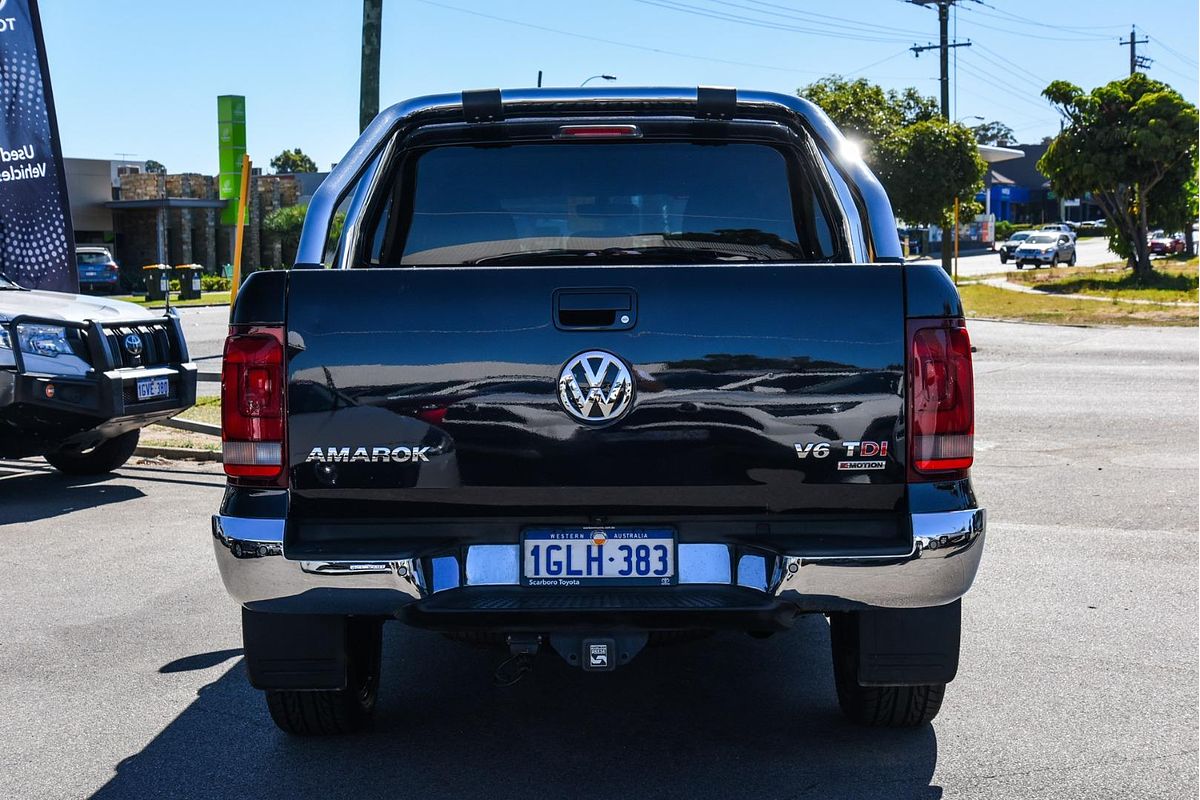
(1023, 171)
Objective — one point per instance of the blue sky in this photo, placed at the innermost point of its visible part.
(142, 76)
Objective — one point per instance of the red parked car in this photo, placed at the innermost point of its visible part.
(1164, 245)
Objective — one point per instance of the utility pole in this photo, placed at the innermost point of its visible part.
(943, 47)
(1136, 61)
(368, 87)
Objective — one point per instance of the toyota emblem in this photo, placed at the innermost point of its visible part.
(133, 344)
(595, 387)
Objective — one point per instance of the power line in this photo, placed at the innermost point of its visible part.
(1027, 35)
(1038, 79)
(1189, 61)
(683, 8)
(896, 54)
(1005, 88)
(841, 22)
(1039, 84)
(1185, 76)
(615, 43)
(1007, 17)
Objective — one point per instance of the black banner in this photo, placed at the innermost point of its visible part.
(36, 242)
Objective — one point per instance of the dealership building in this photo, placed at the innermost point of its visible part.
(148, 218)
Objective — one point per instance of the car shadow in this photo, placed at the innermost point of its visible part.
(45, 493)
(34, 490)
(724, 717)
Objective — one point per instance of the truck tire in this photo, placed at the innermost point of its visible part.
(104, 457)
(876, 706)
(341, 711)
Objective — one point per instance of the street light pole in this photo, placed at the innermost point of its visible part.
(594, 77)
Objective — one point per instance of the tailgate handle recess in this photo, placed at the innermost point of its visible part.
(595, 309)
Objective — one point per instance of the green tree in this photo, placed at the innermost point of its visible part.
(1125, 143)
(994, 132)
(923, 161)
(287, 223)
(155, 168)
(293, 161)
(863, 111)
(924, 166)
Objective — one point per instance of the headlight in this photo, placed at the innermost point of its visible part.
(41, 340)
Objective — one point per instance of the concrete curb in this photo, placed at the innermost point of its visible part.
(1001, 283)
(177, 453)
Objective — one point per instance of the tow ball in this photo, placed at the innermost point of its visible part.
(597, 652)
(600, 652)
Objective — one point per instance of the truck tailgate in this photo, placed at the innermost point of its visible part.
(434, 392)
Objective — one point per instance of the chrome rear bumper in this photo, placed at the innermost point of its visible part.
(940, 568)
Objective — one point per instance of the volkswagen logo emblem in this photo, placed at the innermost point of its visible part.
(595, 387)
(133, 344)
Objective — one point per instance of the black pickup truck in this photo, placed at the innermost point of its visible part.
(588, 370)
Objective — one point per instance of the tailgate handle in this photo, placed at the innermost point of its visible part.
(595, 309)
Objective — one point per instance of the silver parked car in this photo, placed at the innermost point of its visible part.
(1048, 247)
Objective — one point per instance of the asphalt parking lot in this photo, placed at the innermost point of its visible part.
(120, 668)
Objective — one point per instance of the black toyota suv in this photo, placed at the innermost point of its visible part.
(587, 369)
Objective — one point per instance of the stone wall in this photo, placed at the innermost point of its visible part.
(143, 186)
(192, 234)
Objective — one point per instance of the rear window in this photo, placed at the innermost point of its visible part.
(639, 202)
(92, 259)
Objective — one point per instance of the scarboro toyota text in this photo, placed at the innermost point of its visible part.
(620, 404)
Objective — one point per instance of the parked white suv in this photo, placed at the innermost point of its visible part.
(81, 376)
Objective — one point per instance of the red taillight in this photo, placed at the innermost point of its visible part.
(941, 399)
(597, 131)
(252, 386)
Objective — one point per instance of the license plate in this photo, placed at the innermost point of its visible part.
(598, 557)
(149, 388)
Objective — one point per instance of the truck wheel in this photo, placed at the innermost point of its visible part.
(104, 457)
(341, 711)
(876, 706)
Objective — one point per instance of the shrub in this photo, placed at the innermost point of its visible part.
(214, 283)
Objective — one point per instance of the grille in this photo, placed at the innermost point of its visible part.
(156, 346)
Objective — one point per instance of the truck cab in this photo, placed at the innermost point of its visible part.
(588, 369)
